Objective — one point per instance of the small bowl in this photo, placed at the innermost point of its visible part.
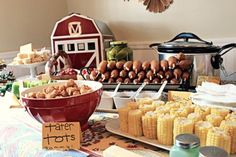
(122, 98)
(67, 109)
(106, 100)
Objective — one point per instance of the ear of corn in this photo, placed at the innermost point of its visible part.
(161, 110)
(220, 111)
(149, 125)
(165, 124)
(218, 137)
(145, 101)
(231, 117)
(201, 129)
(230, 127)
(123, 118)
(146, 108)
(214, 119)
(133, 105)
(135, 122)
(182, 125)
(195, 117)
(179, 112)
(203, 111)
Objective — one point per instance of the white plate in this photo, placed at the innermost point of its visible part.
(28, 65)
(113, 127)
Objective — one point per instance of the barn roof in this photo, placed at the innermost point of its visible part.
(92, 26)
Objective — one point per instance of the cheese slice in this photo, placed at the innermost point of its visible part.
(26, 48)
(115, 151)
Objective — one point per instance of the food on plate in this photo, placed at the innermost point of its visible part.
(111, 65)
(172, 62)
(185, 64)
(146, 65)
(155, 66)
(230, 127)
(181, 116)
(149, 124)
(70, 88)
(182, 125)
(28, 55)
(102, 67)
(195, 117)
(177, 73)
(134, 118)
(137, 66)
(123, 118)
(219, 137)
(128, 65)
(201, 129)
(148, 71)
(214, 119)
(165, 123)
(164, 64)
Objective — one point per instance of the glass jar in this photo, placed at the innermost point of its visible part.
(186, 145)
(212, 151)
(119, 50)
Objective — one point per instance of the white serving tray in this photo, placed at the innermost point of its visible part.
(113, 127)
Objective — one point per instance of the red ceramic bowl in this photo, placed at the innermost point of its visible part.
(68, 109)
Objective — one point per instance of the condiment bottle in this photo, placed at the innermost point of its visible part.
(212, 151)
(186, 145)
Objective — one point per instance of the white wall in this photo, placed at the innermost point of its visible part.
(130, 20)
(24, 21)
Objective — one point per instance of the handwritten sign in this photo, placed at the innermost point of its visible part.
(61, 136)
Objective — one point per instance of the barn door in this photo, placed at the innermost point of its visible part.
(83, 53)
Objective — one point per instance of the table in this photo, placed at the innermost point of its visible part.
(20, 135)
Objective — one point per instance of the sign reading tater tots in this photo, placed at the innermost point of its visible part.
(61, 136)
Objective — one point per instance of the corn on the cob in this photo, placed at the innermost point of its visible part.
(146, 108)
(230, 127)
(158, 103)
(135, 122)
(123, 118)
(195, 117)
(182, 125)
(132, 105)
(172, 104)
(204, 111)
(161, 110)
(218, 137)
(179, 112)
(190, 108)
(145, 101)
(214, 119)
(165, 124)
(231, 117)
(201, 128)
(149, 125)
(220, 111)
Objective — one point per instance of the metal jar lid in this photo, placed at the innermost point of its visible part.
(187, 141)
(212, 151)
(181, 43)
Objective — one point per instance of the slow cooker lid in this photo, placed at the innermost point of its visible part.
(181, 43)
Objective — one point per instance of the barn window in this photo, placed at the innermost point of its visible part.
(60, 47)
(91, 46)
(81, 46)
(71, 47)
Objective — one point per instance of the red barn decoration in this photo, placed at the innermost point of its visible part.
(82, 38)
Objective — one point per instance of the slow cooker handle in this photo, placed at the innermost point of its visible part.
(186, 36)
(226, 48)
